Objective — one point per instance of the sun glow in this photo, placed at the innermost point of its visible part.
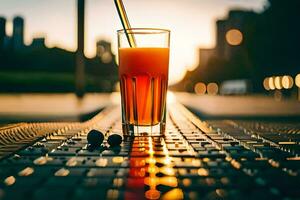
(192, 24)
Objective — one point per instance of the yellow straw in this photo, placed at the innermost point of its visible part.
(125, 22)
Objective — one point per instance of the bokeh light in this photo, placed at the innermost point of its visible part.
(234, 37)
(287, 82)
(271, 83)
(266, 83)
(297, 80)
(212, 88)
(200, 88)
(106, 57)
(277, 82)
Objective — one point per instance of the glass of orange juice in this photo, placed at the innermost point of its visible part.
(143, 74)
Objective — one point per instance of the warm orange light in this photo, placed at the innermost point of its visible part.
(186, 182)
(151, 151)
(234, 37)
(62, 172)
(200, 88)
(175, 193)
(42, 160)
(287, 82)
(71, 162)
(297, 80)
(169, 181)
(101, 162)
(274, 163)
(26, 172)
(153, 169)
(152, 194)
(151, 181)
(10, 180)
(118, 159)
(167, 170)
(137, 172)
(203, 172)
(266, 83)
(212, 88)
(277, 82)
(235, 164)
(151, 160)
(137, 162)
(167, 161)
(271, 83)
(196, 163)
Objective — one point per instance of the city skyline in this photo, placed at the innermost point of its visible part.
(186, 39)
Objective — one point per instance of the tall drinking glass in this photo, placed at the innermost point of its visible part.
(143, 73)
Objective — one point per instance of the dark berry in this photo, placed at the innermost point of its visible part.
(95, 138)
(114, 140)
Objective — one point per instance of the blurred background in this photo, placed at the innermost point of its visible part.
(218, 47)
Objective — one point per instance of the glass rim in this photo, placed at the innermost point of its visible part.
(143, 31)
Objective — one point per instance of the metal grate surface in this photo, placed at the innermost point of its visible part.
(194, 160)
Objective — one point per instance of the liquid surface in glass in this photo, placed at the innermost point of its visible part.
(144, 80)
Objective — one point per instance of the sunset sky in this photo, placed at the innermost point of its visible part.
(192, 23)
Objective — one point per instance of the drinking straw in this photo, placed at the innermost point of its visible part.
(125, 22)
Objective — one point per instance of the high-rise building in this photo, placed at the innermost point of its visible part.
(2, 31)
(230, 45)
(18, 33)
(220, 37)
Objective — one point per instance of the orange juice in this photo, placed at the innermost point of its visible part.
(143, 74)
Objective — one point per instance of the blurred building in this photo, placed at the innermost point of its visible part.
(102, 68)
(2, 31)
(205, 55)
(231, 33)
(231, 36)
(18, 33)
(104, 51)
(56, 64)
(38, 43)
